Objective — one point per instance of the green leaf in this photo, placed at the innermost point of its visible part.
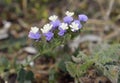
(4, 62)
(82, 68)
(62, 65)
(86, 65)
(71, 68)
(21, 75)
(52, 76)
(29, 76)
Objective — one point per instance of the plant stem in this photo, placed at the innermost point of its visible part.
(35, 57)
(24, 6)
(76, 80)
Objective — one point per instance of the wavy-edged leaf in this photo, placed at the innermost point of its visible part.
(71, 68)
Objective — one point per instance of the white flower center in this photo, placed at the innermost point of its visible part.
(69, 13)
(46, 28)
(64, 26)
(53, 17)
(74, 26)
(34, 29)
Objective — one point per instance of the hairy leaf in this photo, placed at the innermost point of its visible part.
(71, 68)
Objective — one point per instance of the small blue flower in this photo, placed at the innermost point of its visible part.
(61, 32)
(68, 19)
(74, 27)
(49, 36)
(54, 21)
(62, 29)
(83, 17)
(78, 22)
(46, 30)
(34, 33)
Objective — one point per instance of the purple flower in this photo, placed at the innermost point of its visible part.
(54, 21)
(68, 19)
(46, 30)
(74, 27)
(61, 32)
(34, 33)
(83, 17)
(62, 29)
(78, 22)
(49, 36)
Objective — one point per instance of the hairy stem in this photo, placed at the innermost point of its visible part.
(35, 57)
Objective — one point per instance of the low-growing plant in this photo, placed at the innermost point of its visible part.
(105, 58)
(56, 34)
(47, 40)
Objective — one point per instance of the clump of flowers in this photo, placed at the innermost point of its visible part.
(56, 33)
(61, 27)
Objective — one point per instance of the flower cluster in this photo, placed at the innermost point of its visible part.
(55, 24)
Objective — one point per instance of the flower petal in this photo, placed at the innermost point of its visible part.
(49, 36)
(55, 23)
(61, 32)
(34, 35)
(83, 17)
(68, 19)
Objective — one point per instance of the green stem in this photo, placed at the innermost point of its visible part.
(35, 57)
(76, 80)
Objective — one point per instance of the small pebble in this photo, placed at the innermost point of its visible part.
(30, 50)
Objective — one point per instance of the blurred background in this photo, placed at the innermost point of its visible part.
(17, 17)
